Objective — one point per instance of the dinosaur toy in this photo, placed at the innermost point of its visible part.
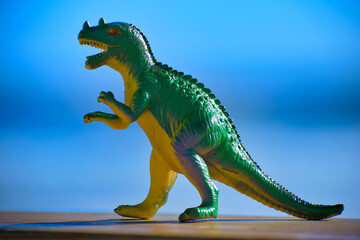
(188, 128)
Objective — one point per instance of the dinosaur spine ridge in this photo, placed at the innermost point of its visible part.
(137, 31)
(207, 91)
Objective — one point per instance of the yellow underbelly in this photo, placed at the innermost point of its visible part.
(159, 139)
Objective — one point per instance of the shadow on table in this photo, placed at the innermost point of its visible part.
(109, 222)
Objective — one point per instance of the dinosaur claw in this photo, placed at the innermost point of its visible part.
(106, 96)
(87, 118)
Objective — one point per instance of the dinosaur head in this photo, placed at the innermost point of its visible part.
(120, 42)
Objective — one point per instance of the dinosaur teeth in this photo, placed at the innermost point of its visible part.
(93, 44)
(97, 58)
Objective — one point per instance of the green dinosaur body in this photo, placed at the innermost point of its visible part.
(189, 130)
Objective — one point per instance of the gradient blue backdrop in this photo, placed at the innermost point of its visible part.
(287, 71)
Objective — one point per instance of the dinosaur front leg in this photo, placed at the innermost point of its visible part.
(195, 169)
(109, 119)
(162, 179)
(122, 111)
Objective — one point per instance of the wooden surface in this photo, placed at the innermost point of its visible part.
(62, 225)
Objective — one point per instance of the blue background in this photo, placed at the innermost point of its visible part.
(287, 71)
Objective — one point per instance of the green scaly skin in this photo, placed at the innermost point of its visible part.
(189, 129)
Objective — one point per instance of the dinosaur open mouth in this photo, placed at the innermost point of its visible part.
(97, 58)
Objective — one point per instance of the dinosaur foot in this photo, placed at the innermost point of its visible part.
(200, 212)
(106, 97)
(136, 211)
(88, 118)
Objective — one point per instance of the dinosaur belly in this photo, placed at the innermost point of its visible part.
(159, 139)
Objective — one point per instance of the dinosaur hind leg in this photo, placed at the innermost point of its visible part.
(162, 179)
(196, 171)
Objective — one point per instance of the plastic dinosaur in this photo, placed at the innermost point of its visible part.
(188, 128)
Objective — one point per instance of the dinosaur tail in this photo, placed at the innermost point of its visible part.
(252, 182)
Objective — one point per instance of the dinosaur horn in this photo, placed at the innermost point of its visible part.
(101, 22)
(86, 25)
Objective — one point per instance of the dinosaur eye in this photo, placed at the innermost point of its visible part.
(115, 32)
